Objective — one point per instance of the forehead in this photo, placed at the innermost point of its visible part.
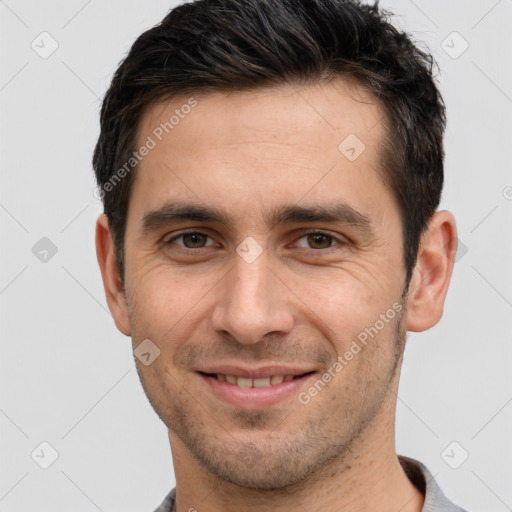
(222, 145)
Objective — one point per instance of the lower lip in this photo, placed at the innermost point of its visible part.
(254, 398)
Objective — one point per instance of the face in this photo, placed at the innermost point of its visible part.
(262, 248)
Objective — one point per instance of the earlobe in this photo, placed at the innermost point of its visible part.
(432, 273)
(114, 290)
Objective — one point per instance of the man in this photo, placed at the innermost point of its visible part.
(270, 172)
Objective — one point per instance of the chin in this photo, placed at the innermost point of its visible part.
(267, 474)
(265, 465)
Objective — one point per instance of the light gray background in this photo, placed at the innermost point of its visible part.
(67, 375)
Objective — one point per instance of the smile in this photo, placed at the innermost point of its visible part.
(254, 393)
(263, 382)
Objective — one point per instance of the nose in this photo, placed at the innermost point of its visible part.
(253, 302)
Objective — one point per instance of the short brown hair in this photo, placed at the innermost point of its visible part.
(223, 45)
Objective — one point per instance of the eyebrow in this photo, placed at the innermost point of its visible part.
(338, 212)
(176, 211)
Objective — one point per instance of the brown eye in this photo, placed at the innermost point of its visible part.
(194, 240)
(319, 241)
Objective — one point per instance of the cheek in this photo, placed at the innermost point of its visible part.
(346, 298)
(164, 303)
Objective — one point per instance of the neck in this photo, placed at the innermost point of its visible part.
(369, 477)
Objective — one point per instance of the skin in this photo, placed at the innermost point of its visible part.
(301, 302)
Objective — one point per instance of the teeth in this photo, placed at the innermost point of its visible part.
(276, 379)
(243, 382)
(260, 383)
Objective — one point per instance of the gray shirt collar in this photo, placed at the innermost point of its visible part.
(418, 474)
(422, 479)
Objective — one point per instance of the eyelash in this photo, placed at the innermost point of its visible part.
(335, 240)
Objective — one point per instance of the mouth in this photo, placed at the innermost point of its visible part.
(262, 382)
(255, 390)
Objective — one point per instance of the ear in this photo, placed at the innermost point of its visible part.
(432, 273)
(114, 289)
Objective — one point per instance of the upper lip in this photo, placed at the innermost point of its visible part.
(260, 372)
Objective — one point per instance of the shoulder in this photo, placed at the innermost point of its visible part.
(422, 479)
(168, 503)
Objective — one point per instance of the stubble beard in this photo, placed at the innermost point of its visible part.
(267, 454)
